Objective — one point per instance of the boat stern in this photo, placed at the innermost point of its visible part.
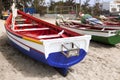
(66, 52)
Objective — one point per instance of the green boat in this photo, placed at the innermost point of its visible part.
(106, 35)
(112, 40)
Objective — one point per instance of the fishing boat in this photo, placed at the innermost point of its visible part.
(45, 42)
(91, 22)
(114, 18)
(108, 22)
(112, 24)
(102, 34)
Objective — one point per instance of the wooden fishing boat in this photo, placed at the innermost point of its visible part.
(96, 22)
(107, 24)
(114, 18)
(45, 42)
(112, 24)
(102, 34)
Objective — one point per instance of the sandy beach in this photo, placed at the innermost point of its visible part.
(101, 63)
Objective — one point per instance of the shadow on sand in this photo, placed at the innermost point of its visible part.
(100, 45)
(30, 67)
(24, 64)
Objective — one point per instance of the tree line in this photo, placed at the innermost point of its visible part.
(41, 7)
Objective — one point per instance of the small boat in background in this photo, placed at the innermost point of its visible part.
(103, 34)
(112, 24)
(45, 42)
(90, 22)
(114, 18)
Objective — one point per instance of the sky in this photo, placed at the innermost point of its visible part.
(91, 1)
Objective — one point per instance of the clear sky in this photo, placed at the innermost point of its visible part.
(91, 1)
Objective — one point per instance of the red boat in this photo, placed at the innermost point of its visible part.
(45, 42)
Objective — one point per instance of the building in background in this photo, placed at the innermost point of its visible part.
(115, 7)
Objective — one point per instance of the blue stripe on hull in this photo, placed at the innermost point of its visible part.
(32, 53)
(54, 59)
(59, 60)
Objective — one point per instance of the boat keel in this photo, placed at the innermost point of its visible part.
(62, 71)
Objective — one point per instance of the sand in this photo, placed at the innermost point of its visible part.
(101, 63)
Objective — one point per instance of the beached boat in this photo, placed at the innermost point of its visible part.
(102, 34)
(45, 42)
(114, 18)
(112, 24)
(92, 21)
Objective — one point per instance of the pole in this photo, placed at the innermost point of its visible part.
(102, 7)
(76, 7)
(14, 14)
(80, 4)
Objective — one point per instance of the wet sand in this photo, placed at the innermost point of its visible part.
(101, 63)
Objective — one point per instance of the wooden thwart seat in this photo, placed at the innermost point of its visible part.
(32, 29)
(19, 15)
(20, 25)
(20, 20)
(49, 36)
(60, 34)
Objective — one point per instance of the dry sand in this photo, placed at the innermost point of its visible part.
(101, 63)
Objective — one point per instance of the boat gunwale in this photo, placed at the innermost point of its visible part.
(43, 22)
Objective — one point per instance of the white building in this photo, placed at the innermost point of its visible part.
(115, 7)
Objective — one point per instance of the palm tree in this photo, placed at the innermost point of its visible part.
(6, 4)
(39, 6)
(85, 7)
(97, 8)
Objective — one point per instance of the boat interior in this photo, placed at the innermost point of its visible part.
(86, 26)
(30, 28)
(112, 23)
(97, 27)
(26, 25)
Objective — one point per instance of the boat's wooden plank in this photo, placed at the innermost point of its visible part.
(32, 29)
(49, 36)
(20, 25)
(20, 19)
(19, 15)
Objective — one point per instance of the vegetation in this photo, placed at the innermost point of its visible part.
(4, 5)
(62, 7)
(39, 5)
(41, 8)
(85, 7)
